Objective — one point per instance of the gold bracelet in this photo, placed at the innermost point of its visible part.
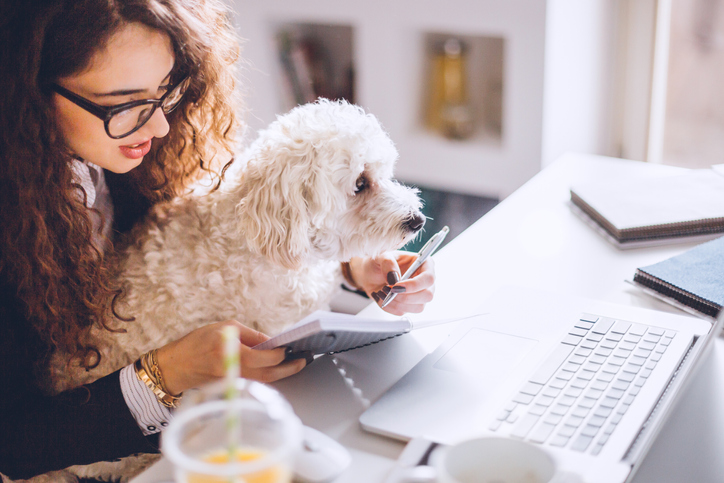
(143, 375)
(156, 371)
(150, 363)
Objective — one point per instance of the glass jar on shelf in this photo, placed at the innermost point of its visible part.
(449, 110)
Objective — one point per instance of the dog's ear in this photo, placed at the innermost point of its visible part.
(273, 214)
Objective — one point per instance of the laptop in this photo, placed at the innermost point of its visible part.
(590, 381)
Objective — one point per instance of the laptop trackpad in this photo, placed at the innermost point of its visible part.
(485, 356)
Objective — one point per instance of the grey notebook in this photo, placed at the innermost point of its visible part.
(640, 211)
(329, 332)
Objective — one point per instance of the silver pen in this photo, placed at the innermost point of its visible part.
(426, 251)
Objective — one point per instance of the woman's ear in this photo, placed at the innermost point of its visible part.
(273, 214)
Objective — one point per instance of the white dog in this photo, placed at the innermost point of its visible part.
(313, 190)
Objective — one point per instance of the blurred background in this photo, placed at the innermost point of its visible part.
(480, 95)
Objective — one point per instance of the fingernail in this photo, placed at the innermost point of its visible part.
(399, 289)
(385, 290)
(376, 296)
(309, 357)
(393, 277)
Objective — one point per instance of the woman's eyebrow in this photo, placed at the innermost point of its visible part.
(121, 92)
(128, 92)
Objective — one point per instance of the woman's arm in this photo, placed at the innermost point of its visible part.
(94, 423)
(41, 433)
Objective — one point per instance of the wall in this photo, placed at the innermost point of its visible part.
(580, 77)
(556, 79)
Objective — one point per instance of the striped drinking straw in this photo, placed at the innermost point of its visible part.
(232, 367)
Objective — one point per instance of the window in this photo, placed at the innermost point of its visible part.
(694, 114)
(671, 82)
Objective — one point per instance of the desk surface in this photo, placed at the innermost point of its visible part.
(530, 239)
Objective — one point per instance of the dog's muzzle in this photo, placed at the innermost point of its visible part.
(414, 223)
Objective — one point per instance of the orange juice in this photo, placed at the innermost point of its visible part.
(275, 474)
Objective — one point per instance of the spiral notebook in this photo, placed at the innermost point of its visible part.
(692, 281)
(329, 332)
(654, 210)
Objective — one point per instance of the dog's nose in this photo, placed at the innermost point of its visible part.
(414, 222)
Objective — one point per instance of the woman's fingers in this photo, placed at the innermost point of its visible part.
(405, 259)
(405, 298)
(253, 358)
(274, 373)
(422, 280)
(416, 290)
(414, 304)
(416, 298)
(250, 336)
(389, 268)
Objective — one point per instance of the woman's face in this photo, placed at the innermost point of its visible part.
(134, 65)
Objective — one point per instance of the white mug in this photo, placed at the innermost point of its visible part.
(496, 460)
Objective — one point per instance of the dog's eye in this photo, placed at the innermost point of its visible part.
(360, 184)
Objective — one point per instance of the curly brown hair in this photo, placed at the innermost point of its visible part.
(63, 282)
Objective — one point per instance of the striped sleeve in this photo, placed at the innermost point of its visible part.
(149, 413)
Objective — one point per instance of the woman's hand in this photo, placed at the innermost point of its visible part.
(197, 358)
(378, 276)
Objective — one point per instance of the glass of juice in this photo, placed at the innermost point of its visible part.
(265, 438)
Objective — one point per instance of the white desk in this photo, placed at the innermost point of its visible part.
(530, 239)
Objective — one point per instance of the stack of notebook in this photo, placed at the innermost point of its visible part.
(651, 211)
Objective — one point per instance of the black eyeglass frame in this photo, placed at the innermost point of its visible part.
(105, 113)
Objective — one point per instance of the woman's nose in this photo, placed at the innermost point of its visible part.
(158, 125)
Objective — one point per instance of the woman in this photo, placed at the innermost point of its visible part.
(107, 108)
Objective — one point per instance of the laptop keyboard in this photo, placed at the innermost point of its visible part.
(577, 397)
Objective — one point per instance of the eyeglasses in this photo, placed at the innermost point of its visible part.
(124, 119)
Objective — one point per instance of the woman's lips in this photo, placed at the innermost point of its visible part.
(135, 151)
